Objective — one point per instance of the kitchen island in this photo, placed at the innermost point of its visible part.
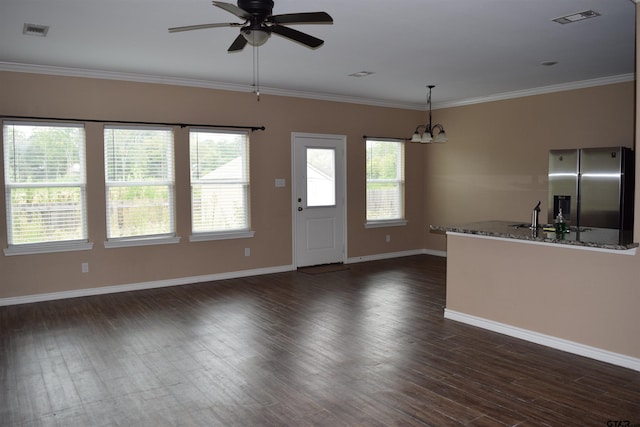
(586, 237)
(559, 292)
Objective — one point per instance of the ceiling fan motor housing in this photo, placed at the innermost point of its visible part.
(261, 8)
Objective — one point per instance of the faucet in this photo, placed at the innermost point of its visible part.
(534, 217)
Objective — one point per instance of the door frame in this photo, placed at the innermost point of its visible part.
(342, 141)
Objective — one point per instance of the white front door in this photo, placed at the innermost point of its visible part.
(319, 188)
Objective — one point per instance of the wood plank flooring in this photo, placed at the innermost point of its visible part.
(367, 346)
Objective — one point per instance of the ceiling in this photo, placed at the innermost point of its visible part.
(469, 49)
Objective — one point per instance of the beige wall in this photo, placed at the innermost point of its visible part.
(496, 163)
(494, 167)
(581, 296)
(54, 96)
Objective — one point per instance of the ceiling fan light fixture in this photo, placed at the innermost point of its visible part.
(256, 37)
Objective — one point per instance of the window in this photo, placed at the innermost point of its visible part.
(45, 186)
(385, 182)
(321, 177)
(219, 184)
(139, 182)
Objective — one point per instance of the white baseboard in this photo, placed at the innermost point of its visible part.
(390, 255)
(546, 340)
(26, 299)
(139, 286)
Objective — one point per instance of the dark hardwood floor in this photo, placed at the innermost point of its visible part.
(366, 346)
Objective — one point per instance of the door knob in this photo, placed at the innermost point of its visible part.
(299, 209)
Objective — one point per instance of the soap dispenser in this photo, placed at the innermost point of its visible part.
(560, 225)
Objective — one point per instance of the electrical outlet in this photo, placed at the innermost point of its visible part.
(247, 251)
(388, 238)
(85, 267)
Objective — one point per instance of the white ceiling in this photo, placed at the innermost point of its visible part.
(469, 49)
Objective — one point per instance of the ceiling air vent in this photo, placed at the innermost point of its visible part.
(361, 74)
(35, 30)
(575, 17)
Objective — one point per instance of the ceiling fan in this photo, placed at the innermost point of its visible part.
(259, 23)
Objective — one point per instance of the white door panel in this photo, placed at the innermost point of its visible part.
(319, 184)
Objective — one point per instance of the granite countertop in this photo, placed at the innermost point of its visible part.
(588, 237)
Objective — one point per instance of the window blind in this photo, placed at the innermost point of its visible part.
(385, 180)
(45, 182)
(219, 181)
(139, 179)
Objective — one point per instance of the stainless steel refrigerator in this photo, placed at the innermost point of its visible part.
(593, 187)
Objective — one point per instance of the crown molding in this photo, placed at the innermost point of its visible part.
(205, 84)
(208, 84)
(582, 84)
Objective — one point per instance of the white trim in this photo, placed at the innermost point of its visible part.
(390, 255)
(622, 78)
(205, 237)
(546, 340)
(206, 84)
(127, 243)
(386, 223)
(631, 252)
(442, 254)
(27, 299)
(45, 248)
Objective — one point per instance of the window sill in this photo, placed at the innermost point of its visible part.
(386, 223)
(148, 241)
(205, 237)
(44, 248)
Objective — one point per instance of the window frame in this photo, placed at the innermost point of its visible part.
(46, 246)
(169, 237)
(239, 233)
(399, 180)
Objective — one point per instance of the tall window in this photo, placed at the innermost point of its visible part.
(385, 180)
(219, 181)
(45, 183)
(139, 182)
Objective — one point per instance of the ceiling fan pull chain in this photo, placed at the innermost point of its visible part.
(256, 71)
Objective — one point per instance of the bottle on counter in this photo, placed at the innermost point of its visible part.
(560, 225)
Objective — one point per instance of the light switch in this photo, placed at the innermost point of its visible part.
(281, 182)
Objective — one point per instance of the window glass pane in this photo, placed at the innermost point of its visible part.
(219, 181)
(45, 182)
(385, 180)
(50, 214)
(321, 177)
(139, 210)
(139, 181)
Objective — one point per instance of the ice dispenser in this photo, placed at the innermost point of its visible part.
(563, 184)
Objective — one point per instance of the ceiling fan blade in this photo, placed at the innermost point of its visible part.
(238, 44)
(297, 36)
(302, 18)
(232, 8)
(203, 26)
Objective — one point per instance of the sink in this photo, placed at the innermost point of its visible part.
(523, 225)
